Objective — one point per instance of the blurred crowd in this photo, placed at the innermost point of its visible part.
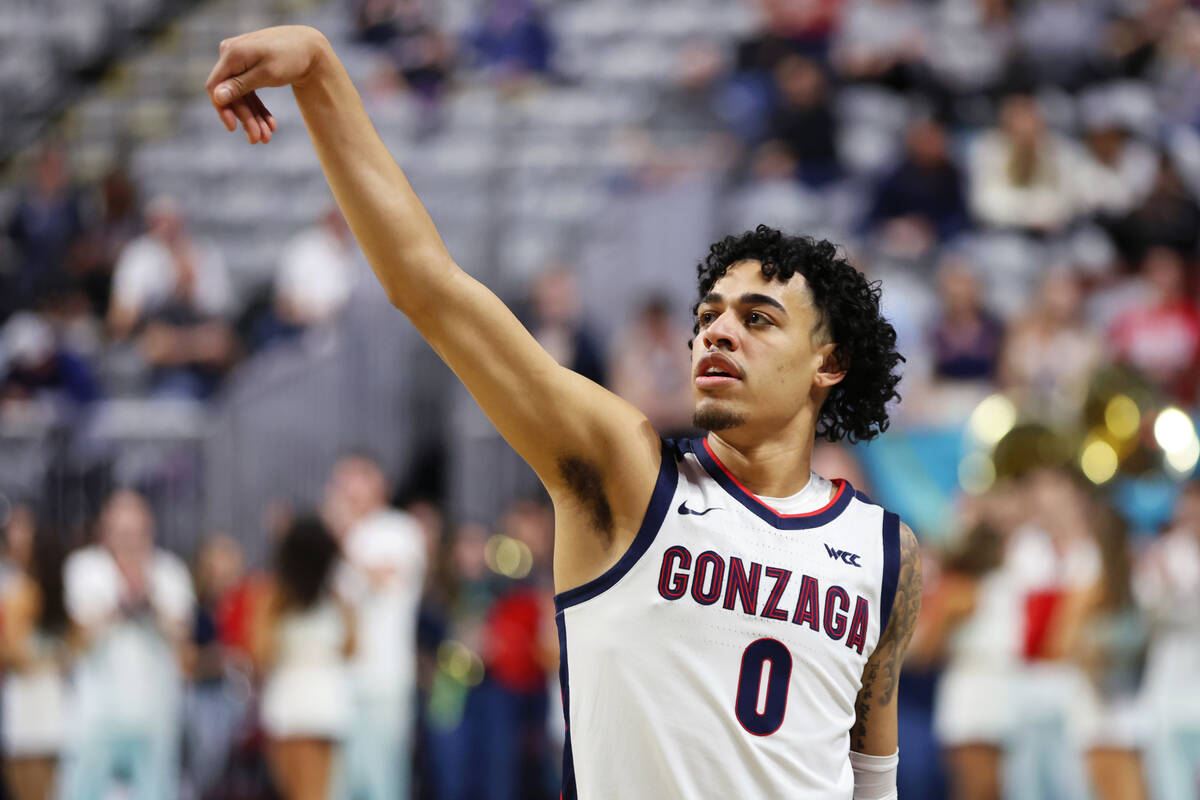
(375, 656)
(1023, 176)
(1054, 659)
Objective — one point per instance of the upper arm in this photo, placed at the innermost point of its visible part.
(564, 425)
(874, 731)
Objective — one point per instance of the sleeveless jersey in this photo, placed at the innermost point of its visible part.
(722, 654)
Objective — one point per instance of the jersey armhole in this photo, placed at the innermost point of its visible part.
(656, 511)
(891, 568)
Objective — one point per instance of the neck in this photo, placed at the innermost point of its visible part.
(778, 466)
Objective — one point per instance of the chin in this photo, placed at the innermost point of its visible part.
(711, 416)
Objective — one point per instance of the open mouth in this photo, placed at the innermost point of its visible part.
(715, 370)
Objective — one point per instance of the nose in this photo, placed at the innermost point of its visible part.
(721, 333)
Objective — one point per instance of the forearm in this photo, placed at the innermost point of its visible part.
(392, 227)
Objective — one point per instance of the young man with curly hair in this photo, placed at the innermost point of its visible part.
(731, 624)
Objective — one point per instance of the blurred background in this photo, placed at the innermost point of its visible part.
(259, 543)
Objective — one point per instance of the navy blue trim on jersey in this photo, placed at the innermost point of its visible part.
(656, 512)
(788, 522)
(891, 568)
(569, 789)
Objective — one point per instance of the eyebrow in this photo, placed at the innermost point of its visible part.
(751, 299)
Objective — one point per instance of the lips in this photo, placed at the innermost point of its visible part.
(716, 369)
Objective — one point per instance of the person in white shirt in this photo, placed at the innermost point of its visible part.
(384, 551)
(316, 274)
(132, 604)
(1021, 174)
(172, 296)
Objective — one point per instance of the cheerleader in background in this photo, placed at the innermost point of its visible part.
(303, 638)
(1107, 633)
(37, 634)
(1169, 586)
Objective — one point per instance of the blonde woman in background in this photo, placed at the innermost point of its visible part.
(303, 638)
(37, 634)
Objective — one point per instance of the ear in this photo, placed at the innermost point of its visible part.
(832, 368)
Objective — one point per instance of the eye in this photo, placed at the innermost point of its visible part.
(757, 318)
(706, 318)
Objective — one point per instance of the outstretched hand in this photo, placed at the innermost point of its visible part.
(278, 56)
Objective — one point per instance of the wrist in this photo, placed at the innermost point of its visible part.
(321, 58)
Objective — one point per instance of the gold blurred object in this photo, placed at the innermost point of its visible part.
(1124, 427)
(1029, 446)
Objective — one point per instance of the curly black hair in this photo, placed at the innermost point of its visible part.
(848, 310)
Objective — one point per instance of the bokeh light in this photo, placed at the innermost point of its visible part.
(976, 473)
(992, 419)
(508, 557)
(1098, 460)
(1122, 417)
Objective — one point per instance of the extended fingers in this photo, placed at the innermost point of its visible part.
(241, 107)
(265, 117)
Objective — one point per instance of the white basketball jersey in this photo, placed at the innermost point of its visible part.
(722, 655)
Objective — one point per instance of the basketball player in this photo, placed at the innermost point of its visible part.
(731, 624)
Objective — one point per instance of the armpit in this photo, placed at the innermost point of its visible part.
(585, 482)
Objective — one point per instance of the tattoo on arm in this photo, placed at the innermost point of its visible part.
(881, 676)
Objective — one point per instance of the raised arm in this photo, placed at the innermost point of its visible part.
(596, 454)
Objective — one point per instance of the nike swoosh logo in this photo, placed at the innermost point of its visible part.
(683, 509)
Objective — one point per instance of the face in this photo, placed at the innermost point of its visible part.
(127, 527)
(758, 363)
(361, 485)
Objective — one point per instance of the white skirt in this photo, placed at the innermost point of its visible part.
(34, 713)
(974, 704)
(307, 701)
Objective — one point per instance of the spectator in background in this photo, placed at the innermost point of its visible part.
(647, 369)
(36, 657)
(512, 41)
(303, 635)
(133, 604)
(406, 29)
(803, 119)
(217, 704)
(1176, 68)
(35, 367)
(1061, 41)
(558, 326)
(972, 45)
(1169, 216)
(172, 294)
(925, 191)
(1161, 337)
(118, 222)
(1107, 633)
(1021, 174)
(384, 569)
(772, 195)
(1117, 172)
(1168, 584)
(882, 41)
(966, 338)
(1050, 353)
(805, 25)
(313, 281)
(45, 222)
